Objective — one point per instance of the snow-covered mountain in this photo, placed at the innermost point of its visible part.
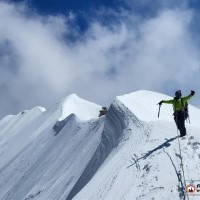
(68, 152)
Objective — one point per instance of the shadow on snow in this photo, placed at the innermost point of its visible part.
(165, 144)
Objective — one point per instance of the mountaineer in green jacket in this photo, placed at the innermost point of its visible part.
(179, 103)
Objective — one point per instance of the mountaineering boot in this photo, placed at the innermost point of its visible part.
(183, 131)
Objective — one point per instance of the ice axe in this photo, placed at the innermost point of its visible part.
(159, 110)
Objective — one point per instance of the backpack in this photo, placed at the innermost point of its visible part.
(185, 109)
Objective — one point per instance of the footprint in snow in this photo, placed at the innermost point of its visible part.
(191, 138)
(195, 145)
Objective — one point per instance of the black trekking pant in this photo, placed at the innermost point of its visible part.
(179, 118)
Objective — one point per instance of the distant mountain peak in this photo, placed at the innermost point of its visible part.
(83, 109)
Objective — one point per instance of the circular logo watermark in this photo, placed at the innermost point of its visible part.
(191, 189)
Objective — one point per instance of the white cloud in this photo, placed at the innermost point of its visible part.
(38, 66)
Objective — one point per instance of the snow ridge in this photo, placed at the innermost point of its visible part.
(114, 125)
(67, 152)
(83, 109)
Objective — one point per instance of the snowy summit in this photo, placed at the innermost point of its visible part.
(68, 152)
(83, 109)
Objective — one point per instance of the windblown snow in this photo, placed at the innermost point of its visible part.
(67, 152)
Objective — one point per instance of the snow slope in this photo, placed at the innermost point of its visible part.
(37, 158)
(67, 152)
(146, 163)
(83, 109)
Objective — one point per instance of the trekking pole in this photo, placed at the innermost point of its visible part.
(159, 111)
(189, 119)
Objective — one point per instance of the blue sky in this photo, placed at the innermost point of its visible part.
(59, 6)
(97, 49)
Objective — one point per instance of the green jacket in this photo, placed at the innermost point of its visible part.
(178, 105)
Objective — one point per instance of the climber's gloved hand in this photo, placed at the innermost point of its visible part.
(160, 103)
(192, 92)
